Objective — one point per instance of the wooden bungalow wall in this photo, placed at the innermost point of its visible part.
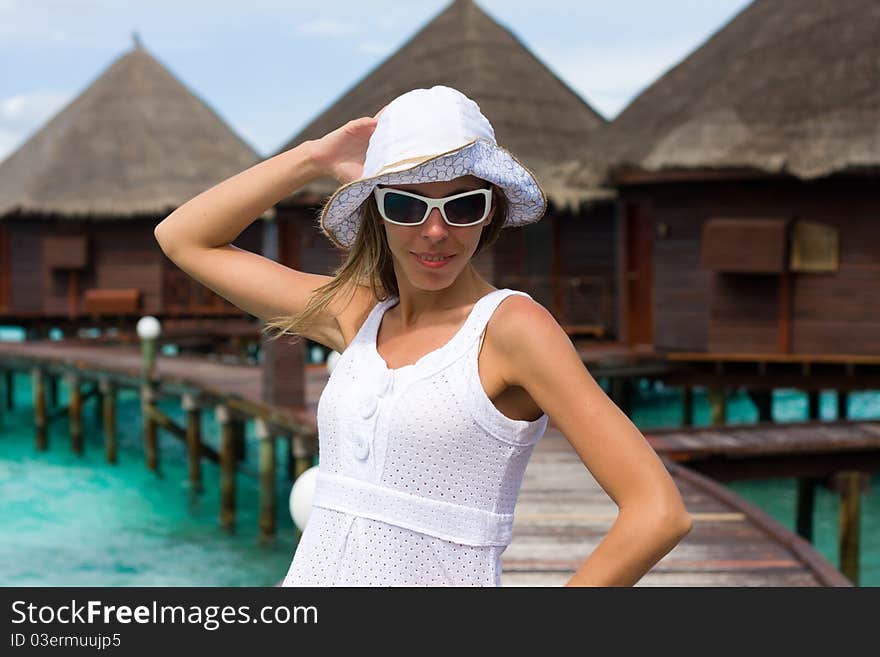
(567, 263)
(701, 310)
(122, 254)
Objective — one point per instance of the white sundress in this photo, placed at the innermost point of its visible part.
(418, 471)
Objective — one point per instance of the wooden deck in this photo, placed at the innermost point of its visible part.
(802, 449)
(562, 515)
(562, 512)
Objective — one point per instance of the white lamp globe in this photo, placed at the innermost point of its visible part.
(332, 359)
(148, 328)
(301, 497)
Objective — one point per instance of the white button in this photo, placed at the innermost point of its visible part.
(368, 406)
(384, 384)
(360, 447)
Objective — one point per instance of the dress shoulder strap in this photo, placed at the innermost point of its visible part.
(486, 310)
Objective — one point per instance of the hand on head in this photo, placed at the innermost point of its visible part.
(341, 153)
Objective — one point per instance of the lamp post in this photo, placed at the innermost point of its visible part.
(148, 329)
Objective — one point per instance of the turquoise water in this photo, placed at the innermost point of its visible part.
(70, 520)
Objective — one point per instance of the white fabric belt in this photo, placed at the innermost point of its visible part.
(451, 522)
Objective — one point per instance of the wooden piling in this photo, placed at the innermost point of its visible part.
(75, 411)
(193, 440)
(151, 439)
(718, 404)
(227, 467)
(763, 400)
(39, 391)
(620, 393)
(268, 502)
(108, 425)
(53, 392)
(813, 405)
(850, 486)
(303, 453)
(687, 406)
(840, 399)
(806, 497)
(10, 389)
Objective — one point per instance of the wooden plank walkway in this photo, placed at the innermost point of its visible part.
(562, 513)
(798, 449)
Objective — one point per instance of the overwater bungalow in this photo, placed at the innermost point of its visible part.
(79, 201)
(748, 186)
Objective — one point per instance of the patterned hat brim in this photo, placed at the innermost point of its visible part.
(527, 202)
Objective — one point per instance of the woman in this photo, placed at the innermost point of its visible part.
(444, 383)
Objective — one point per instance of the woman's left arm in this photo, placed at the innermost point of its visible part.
(652, 519)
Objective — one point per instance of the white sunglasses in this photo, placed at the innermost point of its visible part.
(408, 209)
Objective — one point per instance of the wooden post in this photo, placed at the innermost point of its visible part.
(718, 403)
(75, 412)
(193, 440)
(39, 409)
(99, 406)
(108, 426)
(303, 454)
(10, 389)
(151, 440)
(227, 467)
(841, 398)
(763, 400)
(53, 392)
(813, 410)
(268, 502)
(620, 393)
(850, 487)
(806, 496)
(687, 406)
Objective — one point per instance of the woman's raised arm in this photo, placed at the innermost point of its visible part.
(197, 236)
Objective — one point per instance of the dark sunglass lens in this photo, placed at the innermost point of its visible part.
(467, 209)
(405, 209)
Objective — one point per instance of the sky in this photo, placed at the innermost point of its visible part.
(268, 67)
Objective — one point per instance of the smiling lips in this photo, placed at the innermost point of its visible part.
(433, 260)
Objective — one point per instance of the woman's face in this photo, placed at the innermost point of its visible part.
(435, 237)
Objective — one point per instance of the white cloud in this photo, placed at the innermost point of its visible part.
(22, 114)
(325, 27)
(374, 48)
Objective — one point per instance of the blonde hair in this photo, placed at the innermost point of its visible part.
(369, 263)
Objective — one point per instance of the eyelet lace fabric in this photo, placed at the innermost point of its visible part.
(419, 472)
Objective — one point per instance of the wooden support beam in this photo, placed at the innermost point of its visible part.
(687, 406)
(620, 393)
(39, 391)
(850, 486)
(193, 440)
(806, 496)
(10, 389)
(303, 451)
(151, 441)
(763, 400)
(718, 404)
(53, 392)
(108, 425)
(227, 467)
(841, 398)
(813, 410)
(268, 467)
(72, 380)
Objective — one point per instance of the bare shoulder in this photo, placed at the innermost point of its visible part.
(523, 330)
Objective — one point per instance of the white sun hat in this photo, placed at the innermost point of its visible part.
(428, 135)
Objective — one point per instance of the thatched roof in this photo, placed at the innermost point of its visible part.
(786, 87)
(136, 141)
(535, 114)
